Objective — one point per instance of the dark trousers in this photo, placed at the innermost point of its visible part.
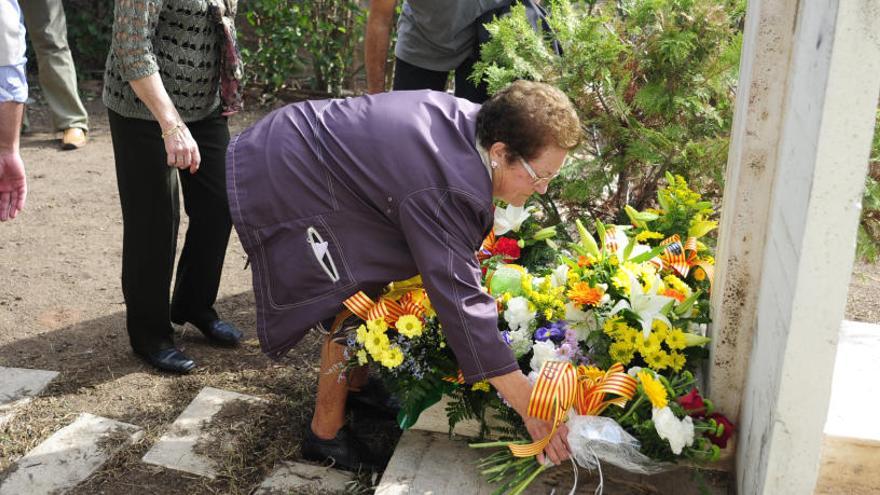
(148, 192)
(408, 76)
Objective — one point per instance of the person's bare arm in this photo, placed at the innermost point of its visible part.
(376, 43)
(516, 390)
(13, 182)
(181, 148)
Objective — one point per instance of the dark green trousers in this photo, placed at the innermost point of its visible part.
(148, 193)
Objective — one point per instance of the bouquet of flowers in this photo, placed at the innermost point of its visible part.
(608, 328)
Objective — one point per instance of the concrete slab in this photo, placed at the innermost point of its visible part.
(431, 463)
(68, 457)
(18, 386)
(176, 448)
(851, 445)
(855, 392)
(296, 477)
(434, 419)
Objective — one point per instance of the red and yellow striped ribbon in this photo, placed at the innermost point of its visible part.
(683, 258)
(387, 309)
(458, 379)
(561, 386)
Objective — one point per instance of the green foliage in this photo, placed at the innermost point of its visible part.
(653, 84)
(868, 240)
(292, 39)
(89, 29)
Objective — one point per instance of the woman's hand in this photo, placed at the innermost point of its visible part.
(557, 450)
(516, 389)
(182, 149)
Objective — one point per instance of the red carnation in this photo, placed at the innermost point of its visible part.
(507, 248)
(693, 403)
(721, 440)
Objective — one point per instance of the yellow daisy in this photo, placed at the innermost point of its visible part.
(655, 390)
(409, 326)
(676, 340)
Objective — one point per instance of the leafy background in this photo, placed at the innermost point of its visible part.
(653, 80)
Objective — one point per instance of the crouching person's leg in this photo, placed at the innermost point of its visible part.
(328, 438)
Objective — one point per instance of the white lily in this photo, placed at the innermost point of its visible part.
(646, 304)
(510, 218)
(582, 322)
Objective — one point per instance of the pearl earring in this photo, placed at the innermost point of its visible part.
(494, 164)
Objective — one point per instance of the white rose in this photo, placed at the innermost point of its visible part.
(518, 315)
(520, 342)
(679, 433)
(543, 351)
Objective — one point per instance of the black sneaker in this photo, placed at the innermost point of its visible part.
(345, 451)
(373, 399)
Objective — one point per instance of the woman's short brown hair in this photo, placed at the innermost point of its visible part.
(527, 116)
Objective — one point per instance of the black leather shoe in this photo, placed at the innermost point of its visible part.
(221, 332)
(168, 360)
(218, 331)
(374, 400)
(345, 451)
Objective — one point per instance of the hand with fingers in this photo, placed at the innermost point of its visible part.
(13, 185)
(181, 149)
(557, 450)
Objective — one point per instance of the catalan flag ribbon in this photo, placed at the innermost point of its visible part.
(561, 386)
(681, 258)
(404, 298)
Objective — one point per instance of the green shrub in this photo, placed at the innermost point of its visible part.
(868, 241)
(319, 40)
(653, 83)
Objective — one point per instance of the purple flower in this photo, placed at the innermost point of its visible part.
(556, 332)
(506, 336)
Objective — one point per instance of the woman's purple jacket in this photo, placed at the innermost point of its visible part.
(337, 196)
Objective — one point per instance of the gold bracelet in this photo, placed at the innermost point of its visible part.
(173, 130)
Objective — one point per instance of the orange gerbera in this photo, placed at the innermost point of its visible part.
(584, 261)
(675, 294)
(582, 293)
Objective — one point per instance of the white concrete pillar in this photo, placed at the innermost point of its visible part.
(830, 95)
(751, 166)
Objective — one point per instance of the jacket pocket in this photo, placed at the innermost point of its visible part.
(302, 262)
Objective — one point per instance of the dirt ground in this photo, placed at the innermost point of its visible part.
(61, 309)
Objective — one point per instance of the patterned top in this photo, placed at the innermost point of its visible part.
(175, 38)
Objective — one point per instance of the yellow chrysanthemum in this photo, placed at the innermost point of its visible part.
(646, 235)
(677, 284)
(376, 344)
(409, 326)
(392, 358)
(658, 360)
(655, 390)
(482, 386)
(362, 357)
(621, 352)
(676, 340)
(650, 345)
(660, 329)
(632, 337)
(377, 325)
(677, 360)
(361, 335)
(621, 280)
(610, 326)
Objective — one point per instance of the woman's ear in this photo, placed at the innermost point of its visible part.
(498, 152)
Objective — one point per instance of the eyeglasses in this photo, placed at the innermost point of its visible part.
(536, 179)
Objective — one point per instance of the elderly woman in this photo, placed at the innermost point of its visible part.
(170, 81)
(334, 197)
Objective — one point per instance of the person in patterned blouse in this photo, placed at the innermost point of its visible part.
(163, 88)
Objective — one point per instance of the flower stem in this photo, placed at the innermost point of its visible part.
(632, 408)
(525, 483)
